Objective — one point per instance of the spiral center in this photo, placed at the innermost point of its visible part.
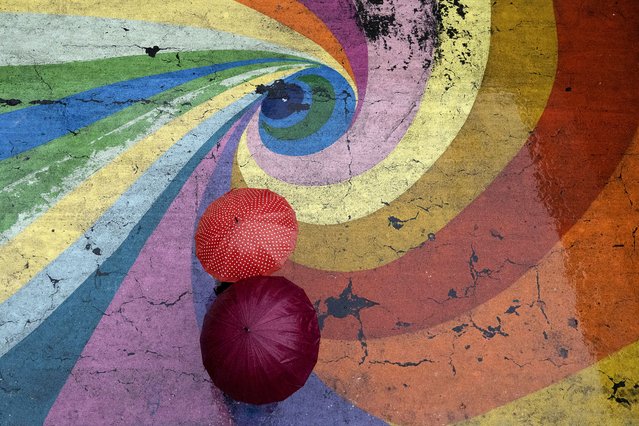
(282, 99)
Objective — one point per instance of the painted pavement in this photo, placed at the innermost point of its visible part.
(465, 174)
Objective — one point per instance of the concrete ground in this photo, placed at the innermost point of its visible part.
(465, 175)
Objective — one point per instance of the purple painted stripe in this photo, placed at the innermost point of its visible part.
(338, 17)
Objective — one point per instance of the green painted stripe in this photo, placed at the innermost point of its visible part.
(318, 114)
(28, 83)
(33, 180)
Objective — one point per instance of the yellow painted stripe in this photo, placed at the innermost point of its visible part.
(222, 15)
(43, 240)
(518, 79)
(586, 398)
(443, 110)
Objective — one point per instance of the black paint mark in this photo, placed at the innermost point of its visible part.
(446, 8)
(54, 281)
(461, 9)
(572, 322)
(10, 102)
(405, 364)
(395, 222)
(540, 302)
(378, 21)
(513, 309)
(615, 389)
(168, 304)
(563, 352)
(452, 293)
(475, 273)
(425, 30)
(398, 223)
(347, 304)
(152, 51)
(277, 89)
(97, 251)
(403, 324)
(491, 331)
(460, 328)
(125, 29)
(44, 102)
(496, 234)
(374, 25)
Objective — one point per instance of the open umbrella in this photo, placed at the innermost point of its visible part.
(260, 340)
(246, 232)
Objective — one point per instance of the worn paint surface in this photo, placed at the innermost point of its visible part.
(465, 173)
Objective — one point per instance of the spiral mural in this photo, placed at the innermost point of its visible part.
(465, 174)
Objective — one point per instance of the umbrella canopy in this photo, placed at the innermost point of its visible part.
(260, 340)
(245, 233)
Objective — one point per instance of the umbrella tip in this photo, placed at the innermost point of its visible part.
(247, 329)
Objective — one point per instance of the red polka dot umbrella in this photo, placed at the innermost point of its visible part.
(260, 340)
(245, 233)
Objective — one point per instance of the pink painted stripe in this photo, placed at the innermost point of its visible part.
(338, 17)
(398, 69)
(142, 364)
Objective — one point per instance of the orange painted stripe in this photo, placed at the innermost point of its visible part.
(297, 17)
(575, 307)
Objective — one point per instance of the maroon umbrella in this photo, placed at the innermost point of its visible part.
(245, 233)
(260, 340)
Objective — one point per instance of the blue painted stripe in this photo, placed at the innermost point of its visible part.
(30, 127)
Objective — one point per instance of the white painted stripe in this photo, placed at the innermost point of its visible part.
(33, 39)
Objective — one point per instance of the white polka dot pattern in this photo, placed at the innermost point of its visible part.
(245, 233)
